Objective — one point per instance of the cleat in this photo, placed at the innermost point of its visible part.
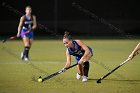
(26, 59)
(84, 79)
(78, 76)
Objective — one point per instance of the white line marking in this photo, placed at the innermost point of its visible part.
(34, 62)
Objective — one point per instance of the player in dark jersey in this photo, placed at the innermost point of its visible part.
(26, 25)
(82, 55)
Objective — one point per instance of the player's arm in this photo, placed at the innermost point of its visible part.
(68, 59)
(20, 25)
(136, 49)
(84, 47)
(34, 22)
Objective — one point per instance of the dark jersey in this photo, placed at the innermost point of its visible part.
(28, 23)
(78, 52)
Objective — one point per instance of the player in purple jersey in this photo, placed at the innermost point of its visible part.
(27, 24)
(82, 55)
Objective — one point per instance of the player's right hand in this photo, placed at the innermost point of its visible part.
(18, 34)
(63, 69)
(132, 55)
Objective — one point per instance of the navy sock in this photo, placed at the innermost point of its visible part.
(86, 68)
(26, 51)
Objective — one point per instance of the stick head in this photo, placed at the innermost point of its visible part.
(99, 81)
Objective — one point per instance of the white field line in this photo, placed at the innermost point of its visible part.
(33, 62)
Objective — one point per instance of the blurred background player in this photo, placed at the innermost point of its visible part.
(82, 55)
(136, 49)
(27, 24)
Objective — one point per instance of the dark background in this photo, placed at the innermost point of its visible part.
(59, 15)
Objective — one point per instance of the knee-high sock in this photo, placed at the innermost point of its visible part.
(86, 68)
(26, 51)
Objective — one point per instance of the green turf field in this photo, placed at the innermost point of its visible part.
(48, 56)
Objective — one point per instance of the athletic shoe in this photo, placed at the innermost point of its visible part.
(26, 59)
(22, 55)
(84, 79)
(78, 76)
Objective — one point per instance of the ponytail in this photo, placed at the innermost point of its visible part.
(67, 35)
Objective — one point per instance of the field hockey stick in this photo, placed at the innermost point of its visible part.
(54, 74)
(127, 60)
(13, 37)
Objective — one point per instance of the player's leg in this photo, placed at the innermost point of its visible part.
(31, 36)
(26, 41)
(79, 68)
(86, 66)
(80, 71)
(28, 49)
(85, 71)
(30, 42)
